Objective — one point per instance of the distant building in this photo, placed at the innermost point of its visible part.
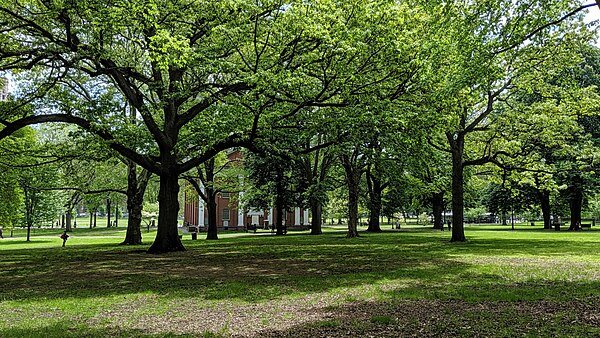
(4, 93)
(231, 217)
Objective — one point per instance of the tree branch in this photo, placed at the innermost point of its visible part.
(541, 28)
(142, 160)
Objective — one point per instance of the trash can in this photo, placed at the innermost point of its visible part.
(194, 236)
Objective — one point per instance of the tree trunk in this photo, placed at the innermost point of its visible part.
(575, 203)
(211, 209)
(108, 206)
(437, 203)
(352, 210)
(28, 212)
(95, 217)
(374, 224)
(28, 218)
(62, 221)
(116, 216)
(91, 219)
(352, 180)
(316, 211)
(375, 190)
(167, 237)
(134, 224)
(68, 225)
(544, 197)
(136, 187)
(457, 146)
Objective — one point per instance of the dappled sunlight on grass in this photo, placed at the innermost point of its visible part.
(105, 285)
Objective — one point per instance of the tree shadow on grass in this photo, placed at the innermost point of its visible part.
(71, 329)
(435, 318)
(13, 242)
(248, 270)
(259, 268)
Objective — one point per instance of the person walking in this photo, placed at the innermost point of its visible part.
(64, 237)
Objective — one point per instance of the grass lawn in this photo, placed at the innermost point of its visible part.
(405, 283)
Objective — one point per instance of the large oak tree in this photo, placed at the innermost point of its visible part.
(202, 76)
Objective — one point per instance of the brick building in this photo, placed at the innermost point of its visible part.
(231, 217)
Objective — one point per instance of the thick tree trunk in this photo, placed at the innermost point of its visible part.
(316, 210)
(68, 225)
(575, 203)
(437, 203)
(167, 237)
(207, 193)
(375, 190)
(136, 187)
(134, 224)
(352, 209)
(352, 180)
(458, 230)
(211, 209)
(544, 197)
(374, 224)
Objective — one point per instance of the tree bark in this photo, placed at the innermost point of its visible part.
(212, 232)
(134, 224)
(91, 219)
(68, 218)
(116, 215)
(437, 203)
(375, 190)
(108, 206)
(352, 180)
(316, 211)
(352, 210)
(575, 204)
(167, 237)
(28, 231)
(95, 217)
(136, 187)
(457, 142)
(544, 197)
(28, 212)
(211, 210)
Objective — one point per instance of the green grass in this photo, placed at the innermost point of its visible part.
(407, 281)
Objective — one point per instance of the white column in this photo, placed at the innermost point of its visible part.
(296, 216)
(240, 210)
(306, 217)
(201, 208)
(270, 216)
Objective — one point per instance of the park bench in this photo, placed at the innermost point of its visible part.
(250, 227)
(586, 225)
